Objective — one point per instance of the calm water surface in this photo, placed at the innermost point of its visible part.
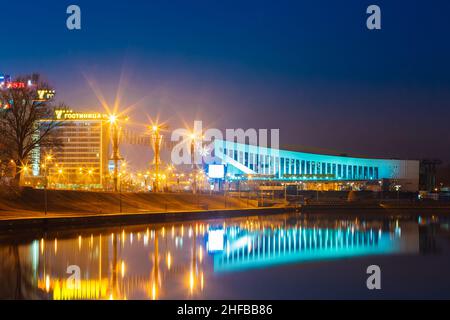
(288, 256)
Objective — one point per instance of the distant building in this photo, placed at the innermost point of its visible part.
(428, 170)
(315, 171)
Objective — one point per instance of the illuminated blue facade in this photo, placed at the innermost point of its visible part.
(243, 160)
(242, 249)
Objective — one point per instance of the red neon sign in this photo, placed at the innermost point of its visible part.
(15, 85)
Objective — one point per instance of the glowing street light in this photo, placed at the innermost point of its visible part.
(196, 138)
(47, 159)
(157, 137)
(113, 120)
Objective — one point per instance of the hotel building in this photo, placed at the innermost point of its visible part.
(80, 160)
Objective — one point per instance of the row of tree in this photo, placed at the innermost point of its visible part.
(22, 110)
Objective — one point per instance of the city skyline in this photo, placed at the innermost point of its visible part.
(382, 93)
(224, 156)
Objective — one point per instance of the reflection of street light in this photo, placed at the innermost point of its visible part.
(195, 275)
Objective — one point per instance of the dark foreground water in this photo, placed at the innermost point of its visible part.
(269, 257)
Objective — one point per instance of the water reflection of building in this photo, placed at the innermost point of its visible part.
(244, 250)
(105, 261)
(174, 261)
(90, 253)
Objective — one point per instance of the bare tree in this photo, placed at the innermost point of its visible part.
(21, 130)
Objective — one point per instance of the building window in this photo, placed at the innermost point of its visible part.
(272, 165)
(261, 163)
(277, 166)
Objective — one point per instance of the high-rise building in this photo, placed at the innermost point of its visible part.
(80, 157)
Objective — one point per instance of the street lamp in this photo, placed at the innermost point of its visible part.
(47, 159)
(113, 121)
(23, 173)
(157, 139)
(194, 137)
(397, 188)
(145, 180)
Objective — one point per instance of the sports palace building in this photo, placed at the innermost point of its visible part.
(314, 171)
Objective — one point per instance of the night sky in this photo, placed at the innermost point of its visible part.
(310, 68)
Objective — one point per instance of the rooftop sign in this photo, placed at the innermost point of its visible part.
(70, 115)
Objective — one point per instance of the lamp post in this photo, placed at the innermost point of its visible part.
(23, 174)
(157, 139)
(397, 188)
(145, 179)
(46, 160)
(115, 146)
(120, 193)
(193, 137)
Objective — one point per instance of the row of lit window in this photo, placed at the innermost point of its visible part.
(265, 164)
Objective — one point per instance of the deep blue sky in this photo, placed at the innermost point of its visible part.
(310, 68)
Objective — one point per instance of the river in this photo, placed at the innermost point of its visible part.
(284, 256)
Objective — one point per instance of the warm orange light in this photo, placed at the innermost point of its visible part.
(112, 118)
(169, 260)
(122, 269)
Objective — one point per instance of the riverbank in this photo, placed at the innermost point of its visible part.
(31, 201)
(376, 207)
(78, 209)
(55, 222)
